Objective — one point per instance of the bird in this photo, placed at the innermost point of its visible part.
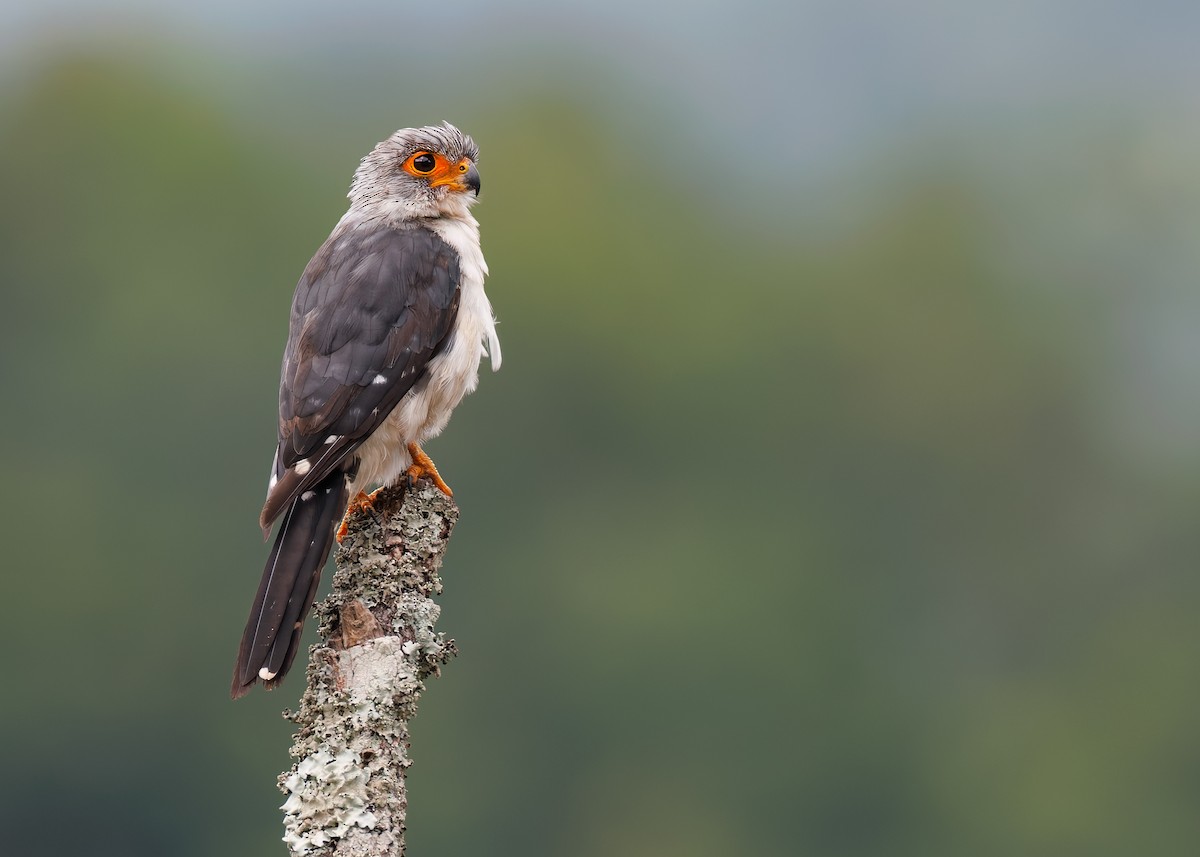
(389, 325)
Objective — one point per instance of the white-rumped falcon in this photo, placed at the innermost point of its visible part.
(388, 328)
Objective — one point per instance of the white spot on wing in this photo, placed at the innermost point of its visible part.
(308, 495)
(303, 466)
(379, 379)
(333, 438)
(265, 674)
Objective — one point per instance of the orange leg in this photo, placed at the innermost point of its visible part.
(361, 503)
(422, 465)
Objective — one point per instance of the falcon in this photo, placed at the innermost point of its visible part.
(389, 325)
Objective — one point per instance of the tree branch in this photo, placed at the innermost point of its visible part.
(346, 792)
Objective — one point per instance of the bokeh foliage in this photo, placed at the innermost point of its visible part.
(778, 537)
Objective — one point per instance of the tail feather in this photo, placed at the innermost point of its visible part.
(289, 584)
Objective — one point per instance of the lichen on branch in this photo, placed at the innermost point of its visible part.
(346, 792)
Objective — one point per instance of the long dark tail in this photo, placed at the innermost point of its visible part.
(289, 584)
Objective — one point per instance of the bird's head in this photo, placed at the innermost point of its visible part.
(418, 172)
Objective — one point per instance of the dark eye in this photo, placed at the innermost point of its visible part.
(424, 163)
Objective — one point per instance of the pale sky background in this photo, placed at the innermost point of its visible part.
(821, 80)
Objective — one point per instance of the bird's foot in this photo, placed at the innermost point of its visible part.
(422, 465)
(361, 503)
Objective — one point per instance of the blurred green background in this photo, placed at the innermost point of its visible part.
(838, 495)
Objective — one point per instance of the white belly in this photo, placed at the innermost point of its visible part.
(453, 373)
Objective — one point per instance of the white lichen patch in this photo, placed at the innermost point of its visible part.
(376, 675)
(417, 617)
(327, 797)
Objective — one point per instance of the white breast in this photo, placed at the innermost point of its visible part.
(424, 412)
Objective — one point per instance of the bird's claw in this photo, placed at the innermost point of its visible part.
(361, 503)
(422, 466)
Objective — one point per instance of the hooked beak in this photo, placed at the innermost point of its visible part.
(463, 176)
(471, 179)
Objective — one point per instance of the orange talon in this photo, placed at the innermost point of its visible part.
(422, 465)
(361, 503)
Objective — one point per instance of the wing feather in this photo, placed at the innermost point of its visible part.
(373, 307)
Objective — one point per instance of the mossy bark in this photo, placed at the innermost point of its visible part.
(346, 792)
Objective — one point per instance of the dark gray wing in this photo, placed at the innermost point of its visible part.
(372, 308)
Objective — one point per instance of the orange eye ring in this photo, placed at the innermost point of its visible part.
(421, 163)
